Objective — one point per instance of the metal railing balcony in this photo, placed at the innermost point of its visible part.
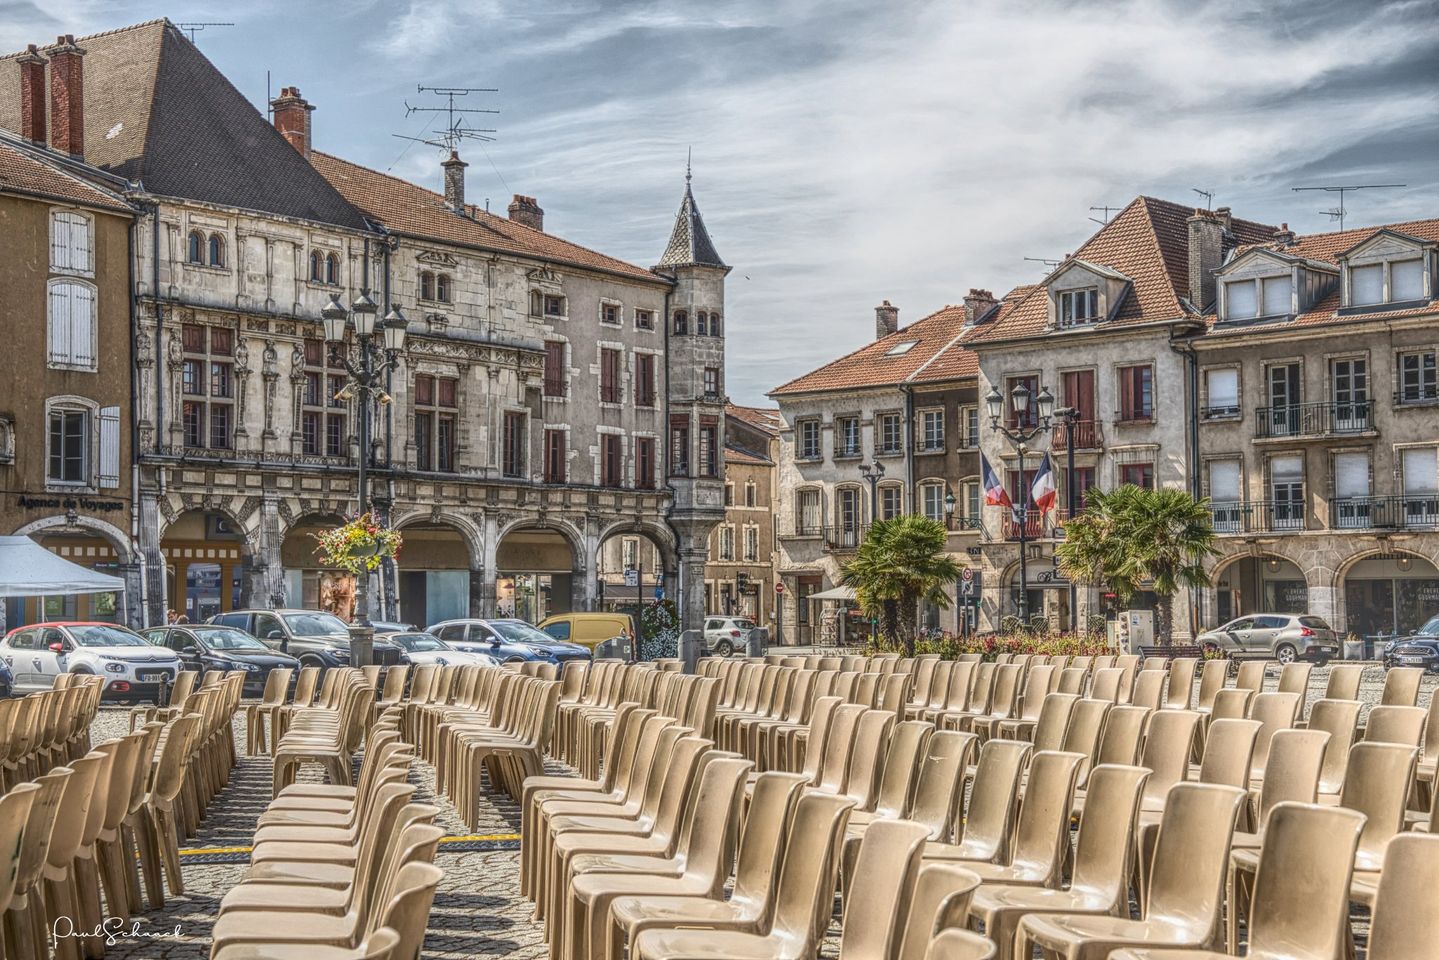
(1257, 516)
(1087, 436)
(1315, 419)
(845, 537)
(1404, 512)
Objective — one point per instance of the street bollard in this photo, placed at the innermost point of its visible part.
(691, 645)
(757, 642)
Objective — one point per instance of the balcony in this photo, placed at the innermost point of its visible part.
(1315, 419)
(1257, 516)
(555, 387)
(1034, 527)
(1408, 512)
(844, 538)
(1087, 436)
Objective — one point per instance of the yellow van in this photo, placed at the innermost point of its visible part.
(588, 629)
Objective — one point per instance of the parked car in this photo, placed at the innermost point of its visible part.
(393, 626)
(1285, 637)
(509, 641)
(588, 629)
(1419, 649)
(725, 635)
(314, 637)
(208, 646)
(422, 647)
(7, 680)
(133, 667)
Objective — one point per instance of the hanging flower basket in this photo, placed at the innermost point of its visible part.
(358, 545)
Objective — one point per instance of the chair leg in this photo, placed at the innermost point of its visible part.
(85, 878)
(60, 909)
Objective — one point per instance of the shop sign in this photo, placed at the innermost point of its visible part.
(26, 502)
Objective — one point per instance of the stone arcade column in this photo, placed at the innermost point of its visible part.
(152, 558)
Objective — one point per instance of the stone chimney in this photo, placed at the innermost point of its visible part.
(977, 304)
(290, 113)
(1284, 236)
(67, 97)
(1206, 253)
(886, 320)
(32, 95)
(527, 211)
(454, 169)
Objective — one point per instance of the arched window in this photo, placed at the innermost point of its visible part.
(316, 271)
(71, 324)
(217, 250)
(442, 288)
(714, 324)
(427, 285)
(196, 248)
(682, 322)
(332, 269)
(701, 323)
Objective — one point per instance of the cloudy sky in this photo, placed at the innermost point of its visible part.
(847, 152)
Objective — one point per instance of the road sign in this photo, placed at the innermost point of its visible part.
(968, 574)
(971, 584)
(659, 593)
(632, 577)
(778, 587)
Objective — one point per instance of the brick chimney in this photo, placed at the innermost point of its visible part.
(454, 182)
(886, 320)
(67, 97)
(1284, 236)
(1206, 253)
(291, 116)
(527, 211)
(32, 95)
(977, 304)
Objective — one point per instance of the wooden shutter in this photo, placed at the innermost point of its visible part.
(59, 323)
(59, 241)
(79, 242)
(82, 325)
(109, 446)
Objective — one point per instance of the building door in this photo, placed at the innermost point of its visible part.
(1079, 394)
(849, 517)
(1284, 399)
(1286, 485)
(1351, 395)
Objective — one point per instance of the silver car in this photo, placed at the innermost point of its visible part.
(1285, 637)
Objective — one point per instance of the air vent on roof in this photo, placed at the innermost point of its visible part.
(899, 349)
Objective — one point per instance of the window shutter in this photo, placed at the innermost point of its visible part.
(60, 323)
(1223, 388)
(79, 243)
(82, 322)
(1421, 471)
(1240, 300)
(1224, 481)
(1351, 475)
(1277, 299)
(59, 242)
(109, 446)
(1366, 284)
(1406, 280)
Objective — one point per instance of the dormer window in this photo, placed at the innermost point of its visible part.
(1249, 299)
(1406, 282)
(1386, 268)
(1077, 307)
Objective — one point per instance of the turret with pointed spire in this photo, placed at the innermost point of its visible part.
(695, 382)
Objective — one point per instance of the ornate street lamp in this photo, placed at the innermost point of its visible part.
(1019, 398)
(872, 473)
(377, 348)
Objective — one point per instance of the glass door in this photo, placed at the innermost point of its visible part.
(1284, 400)
(1351, 395)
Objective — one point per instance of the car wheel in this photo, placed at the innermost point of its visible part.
(723, 648)
(515, 660)
(1285, 653)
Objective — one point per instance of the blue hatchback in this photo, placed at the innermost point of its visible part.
(509, 641)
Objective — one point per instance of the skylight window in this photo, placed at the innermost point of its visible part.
(900, 349)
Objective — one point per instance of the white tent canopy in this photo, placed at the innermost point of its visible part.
(833, 593)
(28, 570)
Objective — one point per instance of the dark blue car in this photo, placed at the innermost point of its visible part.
(7, 680)
(509, 641)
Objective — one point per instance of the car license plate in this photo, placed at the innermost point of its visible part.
(155, 675)
(1417, 661)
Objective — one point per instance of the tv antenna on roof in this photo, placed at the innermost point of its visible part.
(455, 127)
(1339, 212)
(1048, 264)
(193, 27)
(1208, 196)
(1106, 208)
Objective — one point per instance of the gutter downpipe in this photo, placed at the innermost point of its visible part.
(159, 361)
(663, 459)
(908, 392)
(1191, 376)
(130, 274)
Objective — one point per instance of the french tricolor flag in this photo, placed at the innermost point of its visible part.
(994, 493)
(1043, 494)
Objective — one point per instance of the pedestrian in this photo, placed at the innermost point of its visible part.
(171, 616)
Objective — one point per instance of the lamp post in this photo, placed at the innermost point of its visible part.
(1069, 416)
(1019, 400)
(378, 345)
(872, 473)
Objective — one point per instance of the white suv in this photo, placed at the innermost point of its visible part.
(725, 635)
(133, 667)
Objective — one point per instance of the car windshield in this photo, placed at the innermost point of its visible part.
(227, 639)
(520, 632)
(106, 637)
(316, 625)
(1431, 628)
(419, 642)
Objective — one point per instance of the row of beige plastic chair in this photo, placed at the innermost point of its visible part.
(44, 730)
(328, 732)
(339, 871)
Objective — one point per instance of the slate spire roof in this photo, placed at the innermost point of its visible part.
(690, 243)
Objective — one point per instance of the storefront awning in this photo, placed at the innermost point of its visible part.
(29, 570)
(833, 593)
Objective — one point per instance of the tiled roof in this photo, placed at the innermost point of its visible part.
(734, 454)
(1148, 241)
(689, 241)
(406, 208)
(767, 419)
(27, 170)
(873, 365)
(1326, 248)
(159, 113)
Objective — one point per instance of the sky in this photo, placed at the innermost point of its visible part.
(849, 152)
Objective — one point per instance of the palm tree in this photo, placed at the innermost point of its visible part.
(1132, 536)
(901, 562)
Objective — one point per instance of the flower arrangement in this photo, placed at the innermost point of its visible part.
(357, 545)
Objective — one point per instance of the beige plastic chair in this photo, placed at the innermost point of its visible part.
(1085, 732)
(1106, 684)
(1276, 711)
(1232, 702)
(1344, 679)
(1123, 733)
(803, 896)
(1101, 864)
(1228, 752)
(1148, 689)
(939, 899)
(1339, 719)
(1251, 674)
(1212, 676)
(1294, 678)
(277, 687)
(989, 821)
(1392, 724)
(1404, 923)
(1292, 920)
(960, 945)
(1401, 687)
(1184, 895)
(885, 873)
(1180, 693)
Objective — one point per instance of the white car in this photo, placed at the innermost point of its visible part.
(133, 667)
(428, 648)
(725, 635)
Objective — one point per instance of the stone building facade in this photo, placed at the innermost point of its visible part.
(740, 575)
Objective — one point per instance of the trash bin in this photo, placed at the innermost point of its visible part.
(757, 642)
(1354, 649)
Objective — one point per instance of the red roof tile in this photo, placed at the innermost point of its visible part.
(406, 208)
(766, 419)
(27, 171)
(741, 455)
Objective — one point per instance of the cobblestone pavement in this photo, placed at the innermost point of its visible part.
(478, 911)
